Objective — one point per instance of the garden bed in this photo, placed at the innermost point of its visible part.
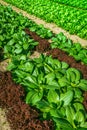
(54, 84)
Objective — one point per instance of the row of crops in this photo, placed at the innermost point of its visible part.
(13, 34)
(50, 85)
(81, 4)
(72, 19)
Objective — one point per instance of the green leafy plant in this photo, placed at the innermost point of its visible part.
(54, 88)
(70, 18)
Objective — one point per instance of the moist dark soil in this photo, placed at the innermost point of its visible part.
(43, 43)
(44, 46)
(20, 115)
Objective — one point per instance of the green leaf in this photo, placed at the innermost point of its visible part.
(33, 97)
(53, 96)
(78, 106)
(67, 97)
(29, 67)
(78, 93)
(11, 42)
(84, 125)
(50, 77)
(70, 114)
(44, 106)
(79, 117)
(83, 84)
(25, 46)
(18, 51)
(29, 85)
(31, 79)
(51, 87)
(63, 123)
(54, 112)
(64, 65)
(40, 78)
(73, 75)
(63, 82)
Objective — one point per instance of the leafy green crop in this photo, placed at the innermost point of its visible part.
(12, 37)
(50, 85)
(71, 19)
(54, 88)
(81, 4)
(15, 41)
(75, 50)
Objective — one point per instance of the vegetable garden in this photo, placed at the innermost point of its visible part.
(48, 92)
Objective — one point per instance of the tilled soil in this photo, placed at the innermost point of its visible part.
(20, 115)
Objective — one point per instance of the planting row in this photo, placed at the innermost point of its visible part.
(44, 46)
(81, 4)
(71, 19)
(75, 50)
(50, 85)
(12, 33)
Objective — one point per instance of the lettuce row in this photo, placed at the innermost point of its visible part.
(81, 4)
(71, 19)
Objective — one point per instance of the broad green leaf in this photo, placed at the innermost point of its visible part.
(73, 75)
(50, 77)
(11, 42)
(63, 82)
(63, 123)
(70, 115)
(83, 84)
(78, 106)
(54, 112)
(64, 65)
(25, 46)
(51, 87)
(79, 117)
(29, 66)
(44, 106)
(84, 125)
(67, 97)
(29, 85)
(33, 97)
(18, 51)
(53, 96)
(31, 78)
(41, 78)
(78, 93)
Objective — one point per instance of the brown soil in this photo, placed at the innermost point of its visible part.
(44, 46)
(85, 100)
(20, 115)
(43, 43)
